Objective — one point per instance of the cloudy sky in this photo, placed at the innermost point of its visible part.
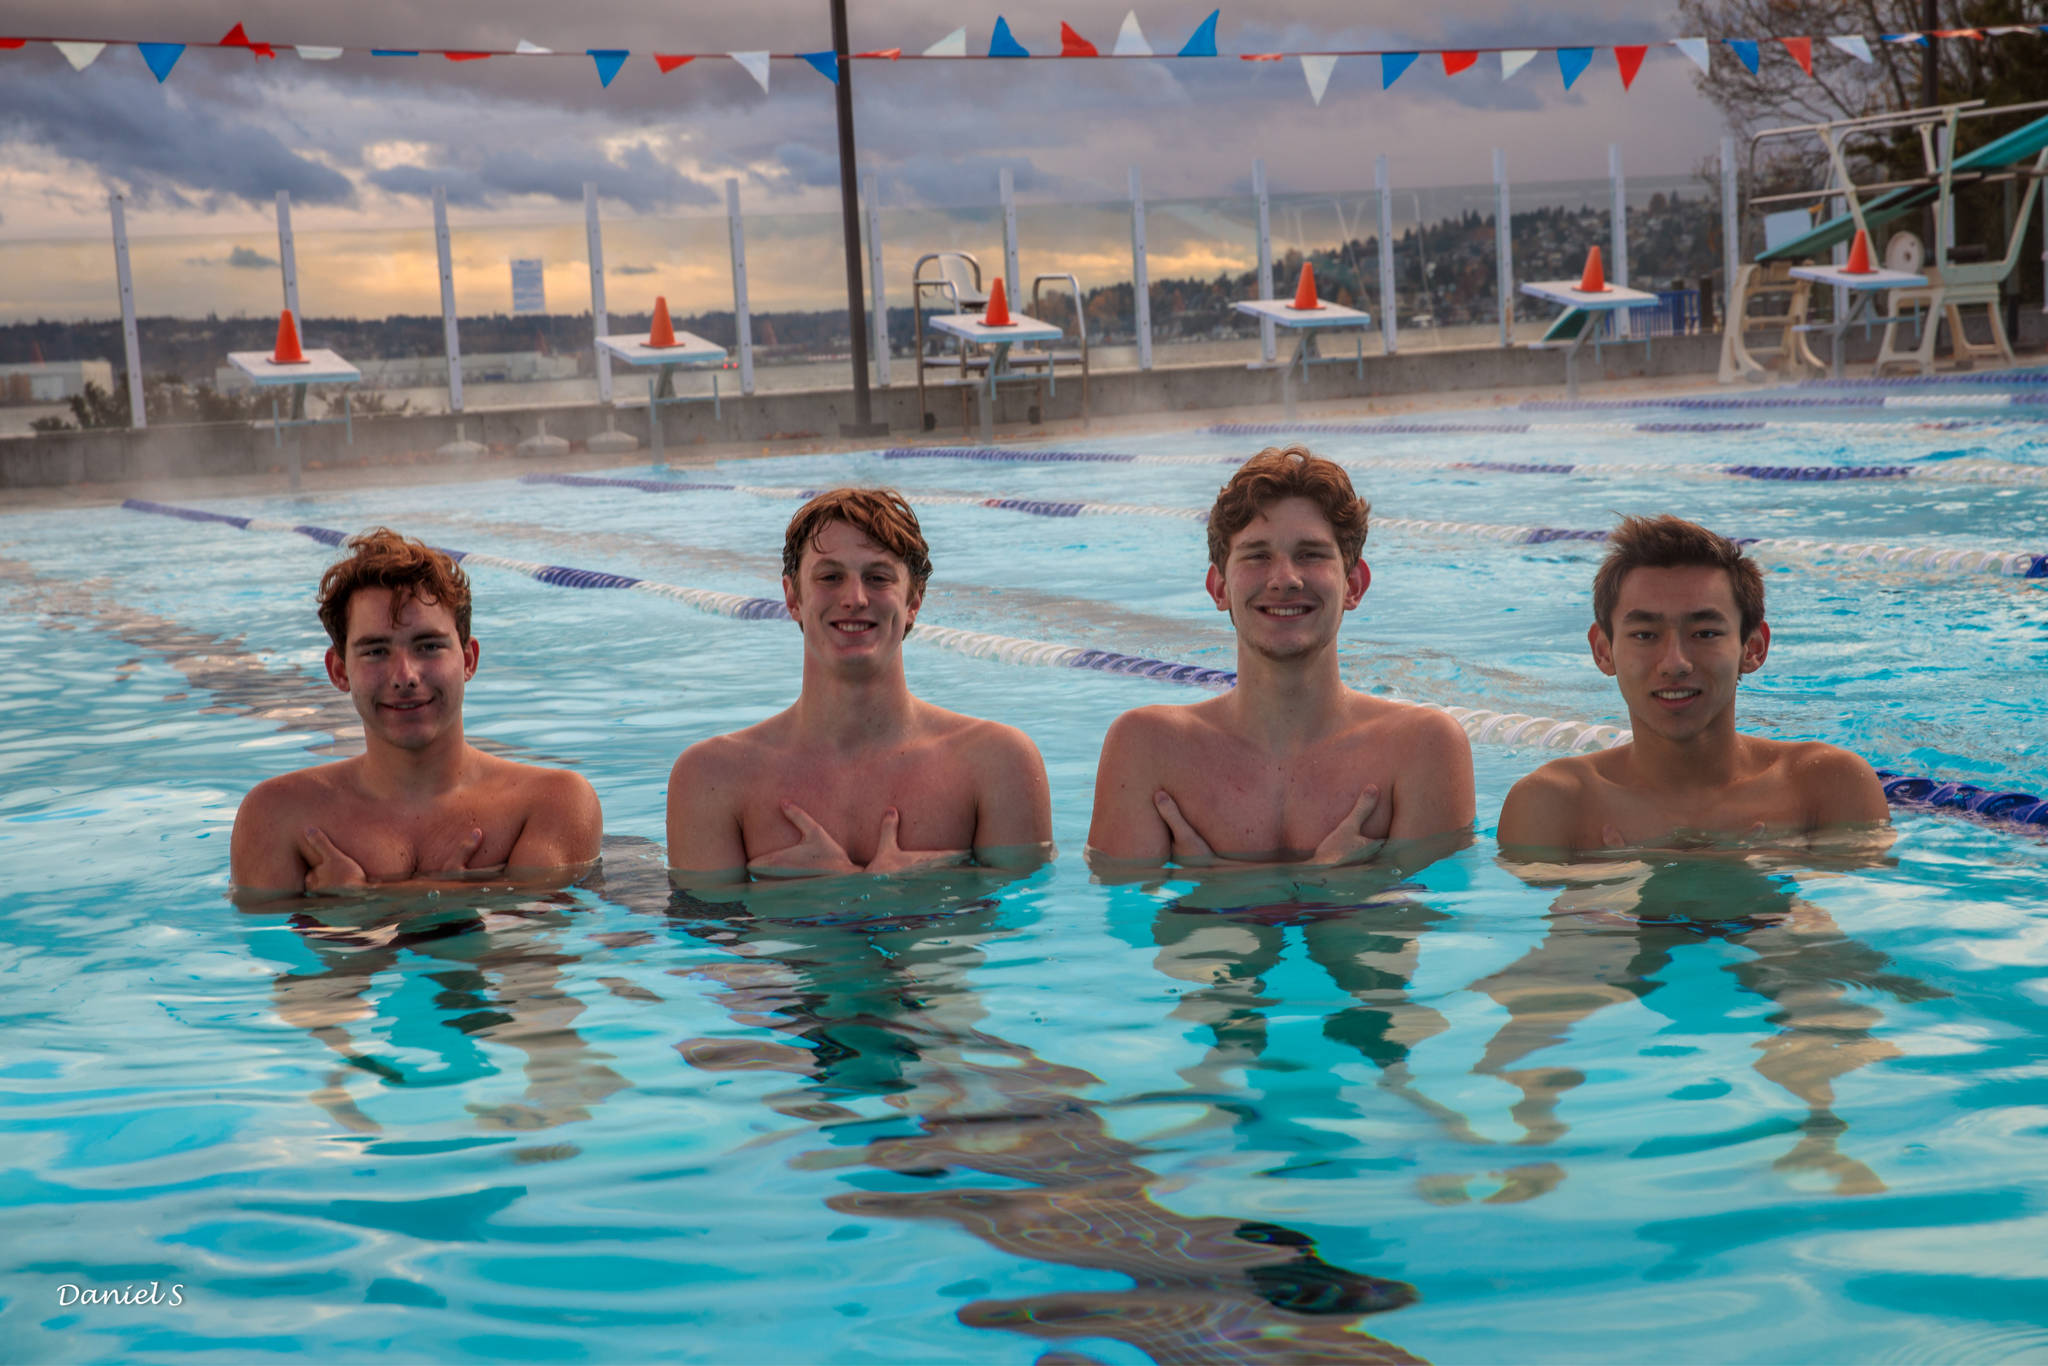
(360, 142)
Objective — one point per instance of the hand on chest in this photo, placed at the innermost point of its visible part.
(395, 844)
(1276, 809)
(937, 809)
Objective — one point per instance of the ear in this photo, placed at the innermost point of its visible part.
(789, 597)
(911, 605)
(1355, 584)
(471, 652)
(1756, 647)
(337, 669)
(1603, 648)
(1213, 581)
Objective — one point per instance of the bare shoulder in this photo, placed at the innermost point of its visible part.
(724, 757)
(1566, 777)
(1543, 810)
(1153, 728)
(296, 797)
(1811, 761)
(1416, 728)
(993, 743)
(1837, 787)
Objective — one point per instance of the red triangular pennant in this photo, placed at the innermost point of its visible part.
(236, 37)
(1630, 60)
(11, 43)
(668, 61)
(465, 56)
(1260, 56)
(1073, 44)
(886, 53)
(1802, 52)
(1454, 62)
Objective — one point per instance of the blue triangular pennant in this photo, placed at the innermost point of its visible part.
(609, 60)
(1004, 44)
(1203, 43)
(1392, 64)
(1745, 48)
(826, 64)
(1572, 63)
(161, 57)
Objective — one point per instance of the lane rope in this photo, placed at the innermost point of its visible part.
(2025, 564)
(1481, 726)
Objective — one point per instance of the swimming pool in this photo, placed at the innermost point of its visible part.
(1780, 1114)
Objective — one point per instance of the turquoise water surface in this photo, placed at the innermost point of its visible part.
(1697, 1109)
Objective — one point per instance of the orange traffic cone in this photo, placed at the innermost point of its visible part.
(287, 352)
(1594, 281)
(998, 314)
(1859, 255)
(663, 333)
(1305, 291)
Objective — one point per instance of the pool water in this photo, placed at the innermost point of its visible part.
(1692, 1108)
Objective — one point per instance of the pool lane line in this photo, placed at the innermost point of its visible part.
(1948, 472)
(1482, 727)
(2024, 564)
(1962, 404)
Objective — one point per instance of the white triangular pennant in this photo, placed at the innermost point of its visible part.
(526, 49)
(80, 55)
(756, 64)
(1514, 59)
(1317, 70)
(953, 44)
(1695, 48)
(317, 54)
(1855, 44)
(1130, 39)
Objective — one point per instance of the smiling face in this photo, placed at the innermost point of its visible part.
(1285, 583)
(853, 599)
(1677, 650)
(406, 675)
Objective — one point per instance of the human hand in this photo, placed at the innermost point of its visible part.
(815, 852)
(1348, 842)
(891, 857)
(328, 870)
(1189, 850)
(451, 859)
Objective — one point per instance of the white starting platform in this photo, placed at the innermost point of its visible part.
(1306, 324)
(1589, 302)
(319, 367)
(976, 330)
(691, 352)
(1864, 286)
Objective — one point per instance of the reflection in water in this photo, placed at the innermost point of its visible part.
(880, 1007)
(1617, 926)
(498, 968)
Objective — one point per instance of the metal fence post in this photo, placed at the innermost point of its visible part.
(1731, 233)
(600, 317)
(742, 319)
(130, 340)
(449, 332)
(880, 305)
(1141, 274)
(287, 258)
(1503, 248)
(1006, 185)
(1266, 340)
(1382, 183)
(1617, 270)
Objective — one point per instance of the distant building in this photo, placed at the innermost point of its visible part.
(53, 381)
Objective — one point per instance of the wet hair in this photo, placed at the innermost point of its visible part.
(881, 515)
(1669, 542)
(1288, 472)
(381, 558)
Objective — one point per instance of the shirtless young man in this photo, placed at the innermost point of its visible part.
(421, 806)
(1678, 618)
(1289, 766)
(857, 775)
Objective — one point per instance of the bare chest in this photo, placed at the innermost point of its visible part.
(1653, 818)
(1249, 805)
(397, 842)
(934, 792)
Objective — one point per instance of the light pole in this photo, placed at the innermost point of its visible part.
(863, 423)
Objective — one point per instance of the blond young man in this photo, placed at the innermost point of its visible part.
(421, 807)
(1290, 766)
(858, 774)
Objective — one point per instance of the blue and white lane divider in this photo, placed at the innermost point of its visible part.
(1038, 507)
(1483, 727)
(1935, 559)
(1721, 403)
(1946, 472)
